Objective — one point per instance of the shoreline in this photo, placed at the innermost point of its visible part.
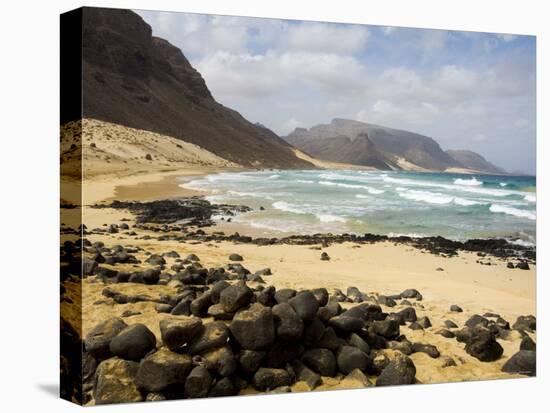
(378, 266)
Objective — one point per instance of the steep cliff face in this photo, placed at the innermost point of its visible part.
(366, 144)
(144, 82)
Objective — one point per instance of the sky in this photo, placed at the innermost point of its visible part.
(467, 90)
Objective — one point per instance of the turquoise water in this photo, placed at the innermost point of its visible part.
(455, 206)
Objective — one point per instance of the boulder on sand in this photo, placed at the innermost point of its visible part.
(115, 382)
(178, 333)
(401, 370)
(484, 347)
(163, 368)
(98, 340)
(253, 328)
(523, 362)
(133, 343)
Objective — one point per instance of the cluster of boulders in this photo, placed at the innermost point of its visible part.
(261, 337)
(228, 331)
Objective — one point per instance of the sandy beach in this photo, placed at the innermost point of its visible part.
(379, 268)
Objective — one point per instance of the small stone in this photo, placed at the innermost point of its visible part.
(235, 257)
(456, 309)
(325, 257)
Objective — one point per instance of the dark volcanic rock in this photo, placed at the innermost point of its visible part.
(133, 343)
(408, 314)
(347, 324)
(523, 362)
(213, 335)
(288, 324)
(305, 374)
(178, 333)
(284, 294)
(349, 358)
(98, 340)
(198, 383)
(217, 289)
(525, 323)
(321, 361)
(223, 388)
(250, 361)
(182, 308)
(325, 257)
(235, 297)
(455, 308)
(115, 382)
(411, 293)
(199, 306)
(484, 347)
(429, 349)
(386, 328)
(254, 328)
(528, 344)
(161, 369)
(305, 305)
(267, 379)
(221, 361)
(235, 257)
(476, 321)
(399, 371)
(321, 294)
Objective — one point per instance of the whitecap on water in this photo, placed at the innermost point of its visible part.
(516, 212)
(468, 182)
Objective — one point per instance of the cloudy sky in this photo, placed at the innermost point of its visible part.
(467, 90)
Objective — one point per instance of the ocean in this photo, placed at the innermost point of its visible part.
(454, 206)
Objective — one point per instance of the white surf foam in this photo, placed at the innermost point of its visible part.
(330, 218)
(286, 207)
(428, 197)
(468, 182)
(530, 198)
(516, 212)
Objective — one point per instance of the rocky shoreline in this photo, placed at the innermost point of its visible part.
(183, 220)
(222, 330)
(229, 332)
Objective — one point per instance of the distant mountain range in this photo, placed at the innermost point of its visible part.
(134, 79)
(380, 147)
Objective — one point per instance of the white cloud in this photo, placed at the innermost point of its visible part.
(480, 137)
(246, 75)
(290, 125)
(325, 37)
